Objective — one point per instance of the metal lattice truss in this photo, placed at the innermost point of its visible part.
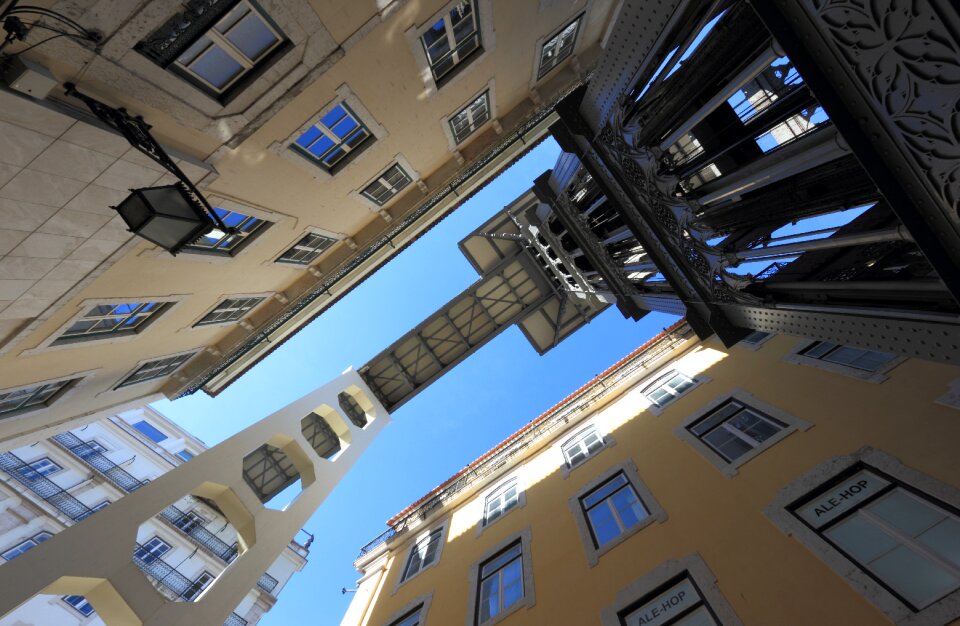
(268, 471)
(320, 435)
(448, 336)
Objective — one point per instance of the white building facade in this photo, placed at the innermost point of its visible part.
(50, 485)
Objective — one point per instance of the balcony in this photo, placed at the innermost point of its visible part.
(268, 583)
(44, 487)
(126, 482)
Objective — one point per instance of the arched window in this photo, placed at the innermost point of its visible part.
(668, 388)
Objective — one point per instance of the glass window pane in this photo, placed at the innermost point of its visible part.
(512, 583)
(629, 507)
(700, 617)
(913, 575)
(605, 490)
(905, 512)
(498, 562)
(216, 67)
(715, 418)
(860, 539)
(727, 444)
(604, 524)
(252, 36)
(489, 598)
(944, 539)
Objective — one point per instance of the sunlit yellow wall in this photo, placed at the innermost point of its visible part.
(768, 577)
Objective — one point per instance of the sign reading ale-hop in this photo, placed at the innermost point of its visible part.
(666, 605)
(847, 495)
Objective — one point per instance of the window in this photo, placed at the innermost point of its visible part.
(906, 541)
(230, 310)
(152, 370)
(558, 48)
(246, 229)
(410, 619)
(612, 508)
(190, 521)
(677, 603)
(24, 546)
(41, 467)
(734, 429)
(501, 583)
(424, 553)
(80, 604)
(151, 550)
(201, 583)
(452, 40)
(668, 388)
(581, 446)
(307, 249)
(216, 50)
(470, 118)
(111, 320)
(387, 185)
(150, 431)
(858, 358)
(23, 400)
(186, 455)
(754, 338)
(334, 138)
(503, 498)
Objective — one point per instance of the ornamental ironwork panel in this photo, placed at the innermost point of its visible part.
(166, 43)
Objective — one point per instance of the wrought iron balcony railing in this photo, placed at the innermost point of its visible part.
(267, 582)
(167, 575)
(203, 537)
(44, 487)
(86, 452)
(235, 620)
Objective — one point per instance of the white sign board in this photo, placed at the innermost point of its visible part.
(836, 501)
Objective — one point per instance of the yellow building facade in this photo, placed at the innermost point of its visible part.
(414, 137)
(779, 481)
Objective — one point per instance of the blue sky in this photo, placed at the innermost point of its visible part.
(505, 385)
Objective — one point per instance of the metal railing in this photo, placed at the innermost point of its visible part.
(164, 573)
(86, 452)
(235, 620)
(44, 487)
(390, 532)
(203, 537)
(267, 582)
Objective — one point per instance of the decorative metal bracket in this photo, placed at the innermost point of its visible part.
(137, 133)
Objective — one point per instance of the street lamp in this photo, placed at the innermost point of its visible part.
(171, 216)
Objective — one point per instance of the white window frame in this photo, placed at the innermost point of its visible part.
(655, 512)
(76, 607)
(487, 43)
(494, 121)
(221, 41)
(500, 485)
(195, 325)
(944, 611)
(796, 357)
(31, 539)
(343, 94)
(334, 239)
(75, 380)
(83, 307)
(119, 386)
(565, 468)
(580, 19)
(756, 345)
(729, 469)
(694, 568)
(529, 595)
(415, 181)
(422, 537)
(199, 323)
(149, 551)
(29, 464)
(661, 376)
(419, 606)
